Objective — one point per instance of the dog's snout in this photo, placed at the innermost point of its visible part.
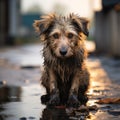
(63, 50)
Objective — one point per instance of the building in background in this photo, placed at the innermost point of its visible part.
(107, 28)
(13, 23)
(3, 21)
(9, 20)
(17, 16)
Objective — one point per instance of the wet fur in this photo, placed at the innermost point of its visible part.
(65, 78)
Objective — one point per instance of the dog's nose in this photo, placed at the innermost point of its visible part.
(63, 50)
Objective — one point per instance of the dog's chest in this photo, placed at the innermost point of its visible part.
(64, 72)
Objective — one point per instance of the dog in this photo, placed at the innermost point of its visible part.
(65, 75)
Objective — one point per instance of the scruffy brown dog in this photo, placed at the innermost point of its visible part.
(65, 76)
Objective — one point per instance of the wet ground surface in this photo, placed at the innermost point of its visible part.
(20, 90)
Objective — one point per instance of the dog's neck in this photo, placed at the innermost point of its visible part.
(70, 62)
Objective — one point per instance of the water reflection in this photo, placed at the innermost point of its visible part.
(21, 103)
(54, 114)
(9, 94)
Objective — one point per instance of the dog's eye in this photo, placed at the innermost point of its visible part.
(70, 35)
(56, 35)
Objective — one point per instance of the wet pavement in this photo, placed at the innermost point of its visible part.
(20, 103)
(20, 90)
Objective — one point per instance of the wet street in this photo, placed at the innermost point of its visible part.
(20, 90)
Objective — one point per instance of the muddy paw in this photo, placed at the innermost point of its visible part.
(83, 99)
(54, 100)
(73, 101)
(45, 99)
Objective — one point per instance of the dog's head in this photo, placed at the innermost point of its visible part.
(63, 35)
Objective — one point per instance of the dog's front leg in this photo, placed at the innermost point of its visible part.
(73, 96)
(54, 92)
(78, 89)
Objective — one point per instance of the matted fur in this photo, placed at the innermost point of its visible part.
(65, 76)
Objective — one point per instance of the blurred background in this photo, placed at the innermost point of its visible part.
(17, 16)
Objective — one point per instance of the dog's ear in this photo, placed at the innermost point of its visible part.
(85, 23)
(43, 25)
(80, 23)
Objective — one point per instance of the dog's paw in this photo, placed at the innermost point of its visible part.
(73, 101)
(83, 99)
(45, 98)
(54, 100)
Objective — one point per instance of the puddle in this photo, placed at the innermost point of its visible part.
(21, 103)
